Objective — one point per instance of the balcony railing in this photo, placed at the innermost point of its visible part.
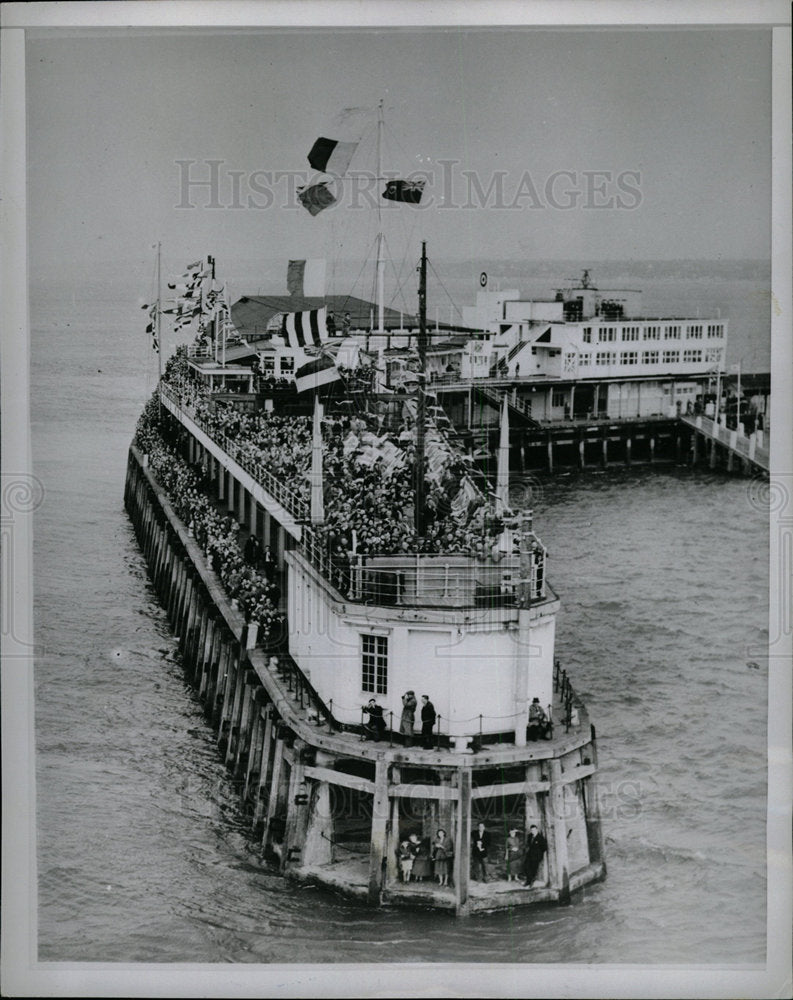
(428, 580)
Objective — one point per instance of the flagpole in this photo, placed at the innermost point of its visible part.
(380, 258)
(422, 400)
(738, 414)
(158, 324)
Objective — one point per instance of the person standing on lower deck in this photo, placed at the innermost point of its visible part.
(428, 717)
(408, 717)
(480, 842)
(536, 846)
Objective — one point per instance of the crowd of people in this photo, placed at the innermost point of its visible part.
(419, 859)
(369, 487)
(252, 586)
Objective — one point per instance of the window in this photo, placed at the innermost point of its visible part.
(607, 333)
(605, 358)
(715, 329)
(713, 355)
(584, 359)
(671, 357)
(629, 357)
(630, 333)
(652, 333)
(268, 366)
(558, 398)
(650, 357)
(695, 332)
(287, 365)
(692, 356)
(374, 663)
(671, 333)
(587, 335)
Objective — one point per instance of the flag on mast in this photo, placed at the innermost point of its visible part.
(151, 326)
(409, 192)
(316, 197)
(330, 156)
(301, 328)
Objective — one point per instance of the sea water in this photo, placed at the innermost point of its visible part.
(143, 855)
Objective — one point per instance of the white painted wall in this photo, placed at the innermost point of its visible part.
(465, 670)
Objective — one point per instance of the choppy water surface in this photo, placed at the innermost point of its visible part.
(142, 855)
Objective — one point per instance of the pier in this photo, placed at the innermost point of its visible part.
(327, 807)
(716, 444)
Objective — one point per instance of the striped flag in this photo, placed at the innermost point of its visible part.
(300, 329)
(318, 372)
(330, 156)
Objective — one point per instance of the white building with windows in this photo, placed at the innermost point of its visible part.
(591, 353)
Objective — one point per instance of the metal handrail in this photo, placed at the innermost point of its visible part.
(290, 501)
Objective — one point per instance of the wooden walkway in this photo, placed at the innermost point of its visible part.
(747, 449)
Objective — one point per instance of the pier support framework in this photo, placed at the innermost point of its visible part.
(329, 809)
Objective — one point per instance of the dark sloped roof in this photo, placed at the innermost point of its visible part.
(252, 311)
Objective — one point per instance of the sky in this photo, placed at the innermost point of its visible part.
(537, 145)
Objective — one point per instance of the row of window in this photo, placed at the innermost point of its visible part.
(690, 356)
(672, 331)
(286, 366)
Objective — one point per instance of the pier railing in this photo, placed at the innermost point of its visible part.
(426, 580)
(292, 502)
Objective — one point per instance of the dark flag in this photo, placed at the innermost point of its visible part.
(407, 191)
(318, 372)
(151, 326)
(316, 197)
(330, 156)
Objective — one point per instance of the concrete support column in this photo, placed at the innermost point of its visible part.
(253, 515)
(296, 810)
(392, 873)
(462, 842)
(557, 833)
(378, 838)
(264, 764)
(230, 494)
(628, 450)
(275, 783)
(242, 504)
(221, 475)
(318, 846)
(550, 452)
(604, 446)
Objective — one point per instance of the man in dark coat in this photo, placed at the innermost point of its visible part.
(253, 552)
(428, 717)
(374, 729)
(535, 848)
(480, 842)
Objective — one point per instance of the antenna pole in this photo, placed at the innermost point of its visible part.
(421, 404)
(380, 239)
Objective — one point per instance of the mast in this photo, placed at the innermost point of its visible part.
(158, 322)
(380, 237)
(421, 407)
